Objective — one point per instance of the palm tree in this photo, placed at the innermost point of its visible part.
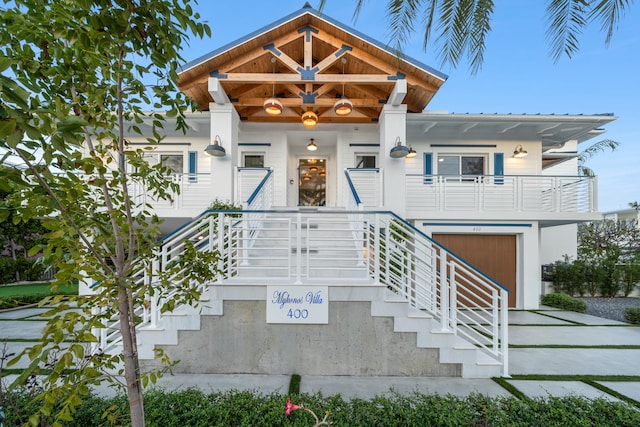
(463, 25)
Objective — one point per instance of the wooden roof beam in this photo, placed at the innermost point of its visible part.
(362, 79)
(298, 102)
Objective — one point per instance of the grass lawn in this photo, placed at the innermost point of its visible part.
(36, 289)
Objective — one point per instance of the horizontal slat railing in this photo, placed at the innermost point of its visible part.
(500, 193)
(465, 301)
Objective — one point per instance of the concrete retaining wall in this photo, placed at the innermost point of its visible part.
(353, 343)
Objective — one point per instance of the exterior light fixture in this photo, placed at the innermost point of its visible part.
(273, 106)
(215, 149)
(306, 177)
(309, 119)
(520, 152)
(313, 169)
(343, 106)
(323, 173)
(311, 146)
(412, 152)
(399, 150)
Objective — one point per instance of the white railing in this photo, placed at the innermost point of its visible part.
(508, 193)
(202, 233)
(369, 183)
(463, 299)
(194, 195)
(247, 182)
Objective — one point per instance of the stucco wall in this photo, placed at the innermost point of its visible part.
(353, 343)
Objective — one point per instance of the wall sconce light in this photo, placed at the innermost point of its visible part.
(215, 149)
(399, 150)
(412, 152)
(309, 119)
(520, 152)
(311, 146)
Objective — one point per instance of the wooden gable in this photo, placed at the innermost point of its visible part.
(309, 62)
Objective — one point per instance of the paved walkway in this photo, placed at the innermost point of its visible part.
(551, 344)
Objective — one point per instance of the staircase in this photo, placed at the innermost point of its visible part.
(398, 302)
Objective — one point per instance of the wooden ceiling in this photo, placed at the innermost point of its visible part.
(308, 62)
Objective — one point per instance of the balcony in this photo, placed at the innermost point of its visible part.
(551, 199)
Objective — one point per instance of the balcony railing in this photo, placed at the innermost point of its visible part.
(501, 193)
(486, 193)
(194, 195)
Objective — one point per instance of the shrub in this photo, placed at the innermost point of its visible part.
(632, 314)
(568, 276)
(29, 269)
(564, 301)
(630, 277)
(193, 407)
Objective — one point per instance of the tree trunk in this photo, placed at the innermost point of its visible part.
(130, 352)
(12, 247)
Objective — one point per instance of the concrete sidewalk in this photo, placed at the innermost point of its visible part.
(546, 342)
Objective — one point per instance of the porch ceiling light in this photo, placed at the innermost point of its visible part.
(520, 152)
(412, 152)
(309, 119)
(215, 149)
(399, 150)
(273, 106)
(343, 106)
(311, 146)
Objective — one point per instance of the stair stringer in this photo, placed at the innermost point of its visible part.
(384, 303)
(430, 334)
(183, 318)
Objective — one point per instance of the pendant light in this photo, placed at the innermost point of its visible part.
(273, 106)
(343, 106)
(311, 146)
(309, 119)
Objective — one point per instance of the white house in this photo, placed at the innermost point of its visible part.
(314, 126)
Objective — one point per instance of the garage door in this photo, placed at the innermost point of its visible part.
(494, 255)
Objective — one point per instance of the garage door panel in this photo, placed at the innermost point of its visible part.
(494, 255)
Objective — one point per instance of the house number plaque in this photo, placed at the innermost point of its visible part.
(298, 304)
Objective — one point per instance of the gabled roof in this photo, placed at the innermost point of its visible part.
(309, 72)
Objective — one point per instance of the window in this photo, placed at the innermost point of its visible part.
(253, 160)
(365, 161)
(174, 162)
(461, 165)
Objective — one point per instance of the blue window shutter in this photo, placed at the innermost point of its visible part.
(498, 167)
(428, 168)
(193, 166)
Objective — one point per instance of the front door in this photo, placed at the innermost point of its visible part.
(312, 182)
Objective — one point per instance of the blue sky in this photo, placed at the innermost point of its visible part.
(518, 75)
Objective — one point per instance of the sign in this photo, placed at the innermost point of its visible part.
(298, 304)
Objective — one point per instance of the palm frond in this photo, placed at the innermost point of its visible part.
(463, 26)
(402, 16)
(609, 12)
(566, 19)
(598, 147)
(427, 21)
(480, 28)
(455, 24)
